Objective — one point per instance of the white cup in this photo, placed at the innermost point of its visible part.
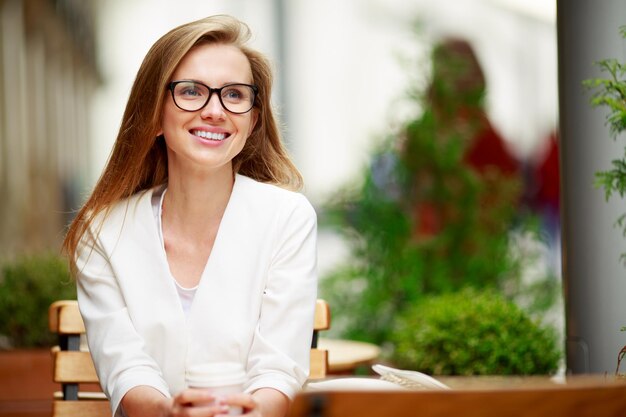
(221, 378)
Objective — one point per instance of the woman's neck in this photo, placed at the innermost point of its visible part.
(194, 204)
(192, 211)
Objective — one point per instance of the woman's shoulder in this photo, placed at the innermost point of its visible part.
(271, 195)
(251, 186)
(126, 209)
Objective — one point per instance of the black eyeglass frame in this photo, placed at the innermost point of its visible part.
(172, 85)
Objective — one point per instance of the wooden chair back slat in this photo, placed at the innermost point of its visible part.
(74, 367)
(319, 363)
(83, 395)
(53, 313)
(70, 320)
(81, 408)
(322, 315)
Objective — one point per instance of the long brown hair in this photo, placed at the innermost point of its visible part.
(138, 160)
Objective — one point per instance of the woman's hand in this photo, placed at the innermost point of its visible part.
(144, 401)
(250, 406)
(197, 402)
(265, 402)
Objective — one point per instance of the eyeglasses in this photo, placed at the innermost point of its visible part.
(193, 96)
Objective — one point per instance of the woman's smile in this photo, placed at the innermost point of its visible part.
(214, 136)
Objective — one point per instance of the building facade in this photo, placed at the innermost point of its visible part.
(47, 76)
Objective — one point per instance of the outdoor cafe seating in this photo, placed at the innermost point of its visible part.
(391, 393)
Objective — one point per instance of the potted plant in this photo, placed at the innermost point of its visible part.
(28, 285)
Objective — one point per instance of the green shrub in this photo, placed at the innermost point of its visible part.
(28, 285)
(473, 333)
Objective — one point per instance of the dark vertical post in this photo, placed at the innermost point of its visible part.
(594, 278)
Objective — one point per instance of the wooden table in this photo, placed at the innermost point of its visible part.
(577, 396)
(344, 356)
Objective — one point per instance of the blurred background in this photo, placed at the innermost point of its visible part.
(67, 68)
(426, 132)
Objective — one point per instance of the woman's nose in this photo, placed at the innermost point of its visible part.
(213, 109)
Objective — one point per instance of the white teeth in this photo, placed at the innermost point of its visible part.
(209, 135)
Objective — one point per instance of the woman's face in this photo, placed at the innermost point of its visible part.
(207, 140)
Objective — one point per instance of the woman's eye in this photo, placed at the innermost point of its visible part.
(190, 92)
(232, 94)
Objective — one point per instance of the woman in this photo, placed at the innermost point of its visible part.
(191, 248)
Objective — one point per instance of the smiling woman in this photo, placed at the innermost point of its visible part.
(218, 134)
(197, 208)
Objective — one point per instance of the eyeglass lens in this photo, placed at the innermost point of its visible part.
(192, 96)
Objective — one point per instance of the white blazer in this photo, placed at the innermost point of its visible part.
(254, 304)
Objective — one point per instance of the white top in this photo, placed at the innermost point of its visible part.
(254, 304)
(185, 295)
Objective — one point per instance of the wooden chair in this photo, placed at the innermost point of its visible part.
(319, 357)
(593, 400)
(74, 369)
